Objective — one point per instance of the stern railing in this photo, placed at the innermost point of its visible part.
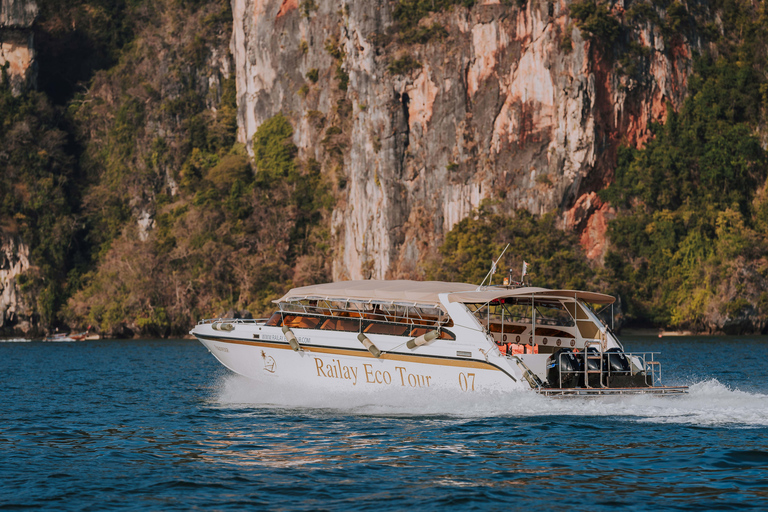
(639, 362)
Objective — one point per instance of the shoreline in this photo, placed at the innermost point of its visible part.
(656, 333)
(628, 331)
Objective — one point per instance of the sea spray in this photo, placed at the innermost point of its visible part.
(708, 403)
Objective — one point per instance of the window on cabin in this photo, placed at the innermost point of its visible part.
(340, 324)
(555, 333)
(387, 328)
(301, 321)
(492, 315)
(508, 328)
(518, 310)
(512, 315)
(375, 313)
(390, 319)
(553, 313)
(447, 335)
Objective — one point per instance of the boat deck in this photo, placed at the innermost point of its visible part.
(659, 390)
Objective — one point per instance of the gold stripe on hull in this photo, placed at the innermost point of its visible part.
(433, 360)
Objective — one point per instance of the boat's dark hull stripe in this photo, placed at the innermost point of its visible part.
(361, 352)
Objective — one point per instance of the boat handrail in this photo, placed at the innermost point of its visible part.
(647, 366)
(233, 320)
(588, 357)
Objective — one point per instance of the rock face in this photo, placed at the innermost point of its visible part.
(733, 313)
(590, 216)
(17, 42)
(512, 104)
(501, 109)
(17, 57)
(14, 261)
(17, 13)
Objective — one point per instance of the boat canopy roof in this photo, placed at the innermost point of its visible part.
(492, 293)
(398, 291)
(426, 292)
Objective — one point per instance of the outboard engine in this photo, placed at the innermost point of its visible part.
(615, 361)
(618, 371)
(564, 369)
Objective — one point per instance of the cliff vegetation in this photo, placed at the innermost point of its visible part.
(143, 212)
(689, 244)
(126, 174)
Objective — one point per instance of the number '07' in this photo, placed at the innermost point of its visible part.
(467, 382)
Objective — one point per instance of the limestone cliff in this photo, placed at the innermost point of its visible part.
(17, 50)
(510, 103)
(15, 314)
(17, 58)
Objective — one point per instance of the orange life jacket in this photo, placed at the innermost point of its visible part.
(531, 349)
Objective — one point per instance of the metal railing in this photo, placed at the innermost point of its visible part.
(533, 380)
(639, 362)
(393, 312)
(589, 356)
(649, 366)
(233, 320)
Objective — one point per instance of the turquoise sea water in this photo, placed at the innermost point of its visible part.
(160, 425)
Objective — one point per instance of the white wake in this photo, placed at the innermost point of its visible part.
(709, 403)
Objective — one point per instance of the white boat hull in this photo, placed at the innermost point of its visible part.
(339, 361)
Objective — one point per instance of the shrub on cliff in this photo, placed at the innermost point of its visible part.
(408, 14)
(595, 21)
(403, 65)
(274, 152)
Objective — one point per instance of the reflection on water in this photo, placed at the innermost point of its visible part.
(160, 425)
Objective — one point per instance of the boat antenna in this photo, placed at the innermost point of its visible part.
(493, 268)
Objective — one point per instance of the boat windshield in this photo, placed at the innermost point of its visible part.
(592, 314)
(518, 310)
(553, 313)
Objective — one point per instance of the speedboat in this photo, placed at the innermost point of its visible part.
(422, 335)
(60, 337)
(73, 336)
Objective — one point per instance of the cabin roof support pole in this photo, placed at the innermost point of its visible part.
(533, 320)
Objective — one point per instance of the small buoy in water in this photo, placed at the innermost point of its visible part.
(291, 338)
(368, 344)
(421, 340)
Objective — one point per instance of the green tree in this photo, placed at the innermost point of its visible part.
(274, 151)
(687, 217)
(555, 257)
